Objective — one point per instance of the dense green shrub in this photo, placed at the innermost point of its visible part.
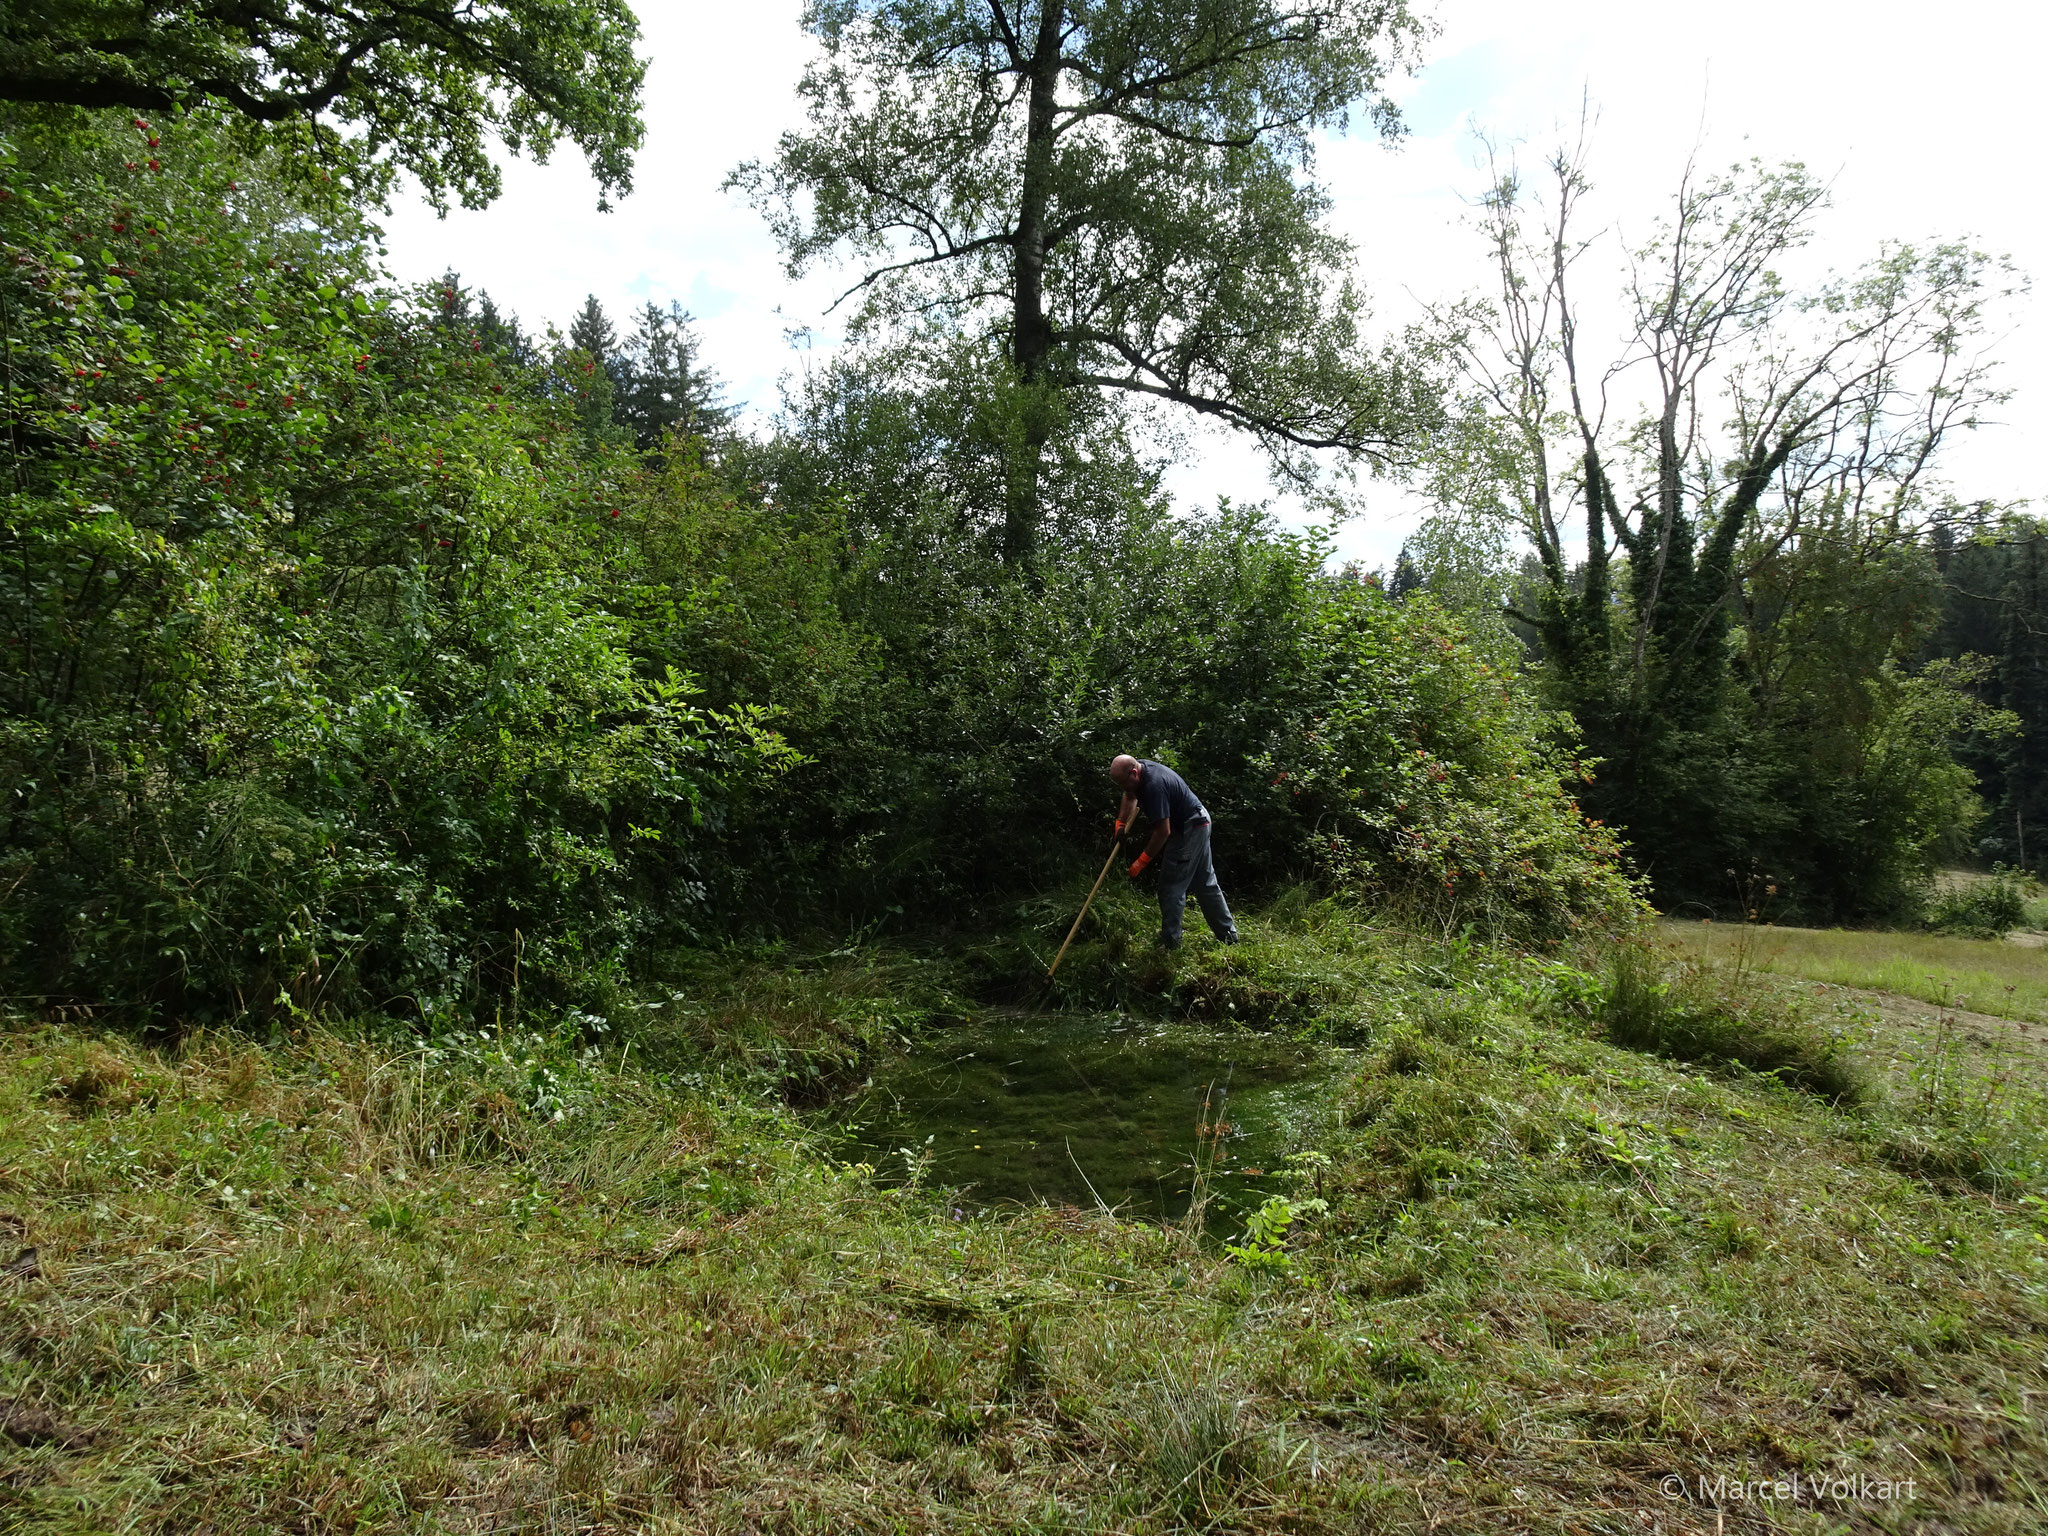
(311, 697)
(958, 723)
(1981, 909)
(1421, 770)
(348, 668)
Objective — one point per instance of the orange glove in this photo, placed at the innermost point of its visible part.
(1139, 864)
(1119, 827)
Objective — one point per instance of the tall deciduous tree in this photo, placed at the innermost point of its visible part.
(1748, 434)
(422, 84)
(1119, 195)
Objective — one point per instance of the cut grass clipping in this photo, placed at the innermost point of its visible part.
(1536, 1280)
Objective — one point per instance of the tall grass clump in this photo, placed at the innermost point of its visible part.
(1693, 1013)
(1191, 1440)
(1960, 1120)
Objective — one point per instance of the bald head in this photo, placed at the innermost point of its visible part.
(1124, 770)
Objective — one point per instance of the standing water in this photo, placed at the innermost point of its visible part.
(1089, 1109)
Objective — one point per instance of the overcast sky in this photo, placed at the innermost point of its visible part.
(1923, 119)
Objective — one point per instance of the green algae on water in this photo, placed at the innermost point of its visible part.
(1087, 1110)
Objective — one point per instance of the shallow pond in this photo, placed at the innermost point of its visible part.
(1081, 1109)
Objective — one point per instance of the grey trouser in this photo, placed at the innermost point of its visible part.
(1184, 862)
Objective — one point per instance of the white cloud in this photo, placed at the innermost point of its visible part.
(1922, 120)
(720, 88)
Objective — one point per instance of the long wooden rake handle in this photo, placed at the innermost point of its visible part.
(1056, 959)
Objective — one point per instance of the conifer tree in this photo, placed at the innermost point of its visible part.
(1406, 577)
(457, 310)
(597, 369)
(501, 333)
(660, 386)
(591, 332)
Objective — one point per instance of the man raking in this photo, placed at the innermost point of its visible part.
(1179, 845)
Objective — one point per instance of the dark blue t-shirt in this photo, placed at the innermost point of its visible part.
(1163, 795)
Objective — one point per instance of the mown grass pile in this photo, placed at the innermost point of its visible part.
(344, 1284)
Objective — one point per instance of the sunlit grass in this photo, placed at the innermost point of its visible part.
(1986, 975)
(505, 1285)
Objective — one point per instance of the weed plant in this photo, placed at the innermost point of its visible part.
(1965, 1119)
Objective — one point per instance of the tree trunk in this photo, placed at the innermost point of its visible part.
(1031, 339)
(1669, 490)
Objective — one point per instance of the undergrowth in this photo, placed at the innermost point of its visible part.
(1988, 908)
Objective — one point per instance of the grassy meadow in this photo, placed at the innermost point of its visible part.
(1535, 1279)
(1999, 977)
